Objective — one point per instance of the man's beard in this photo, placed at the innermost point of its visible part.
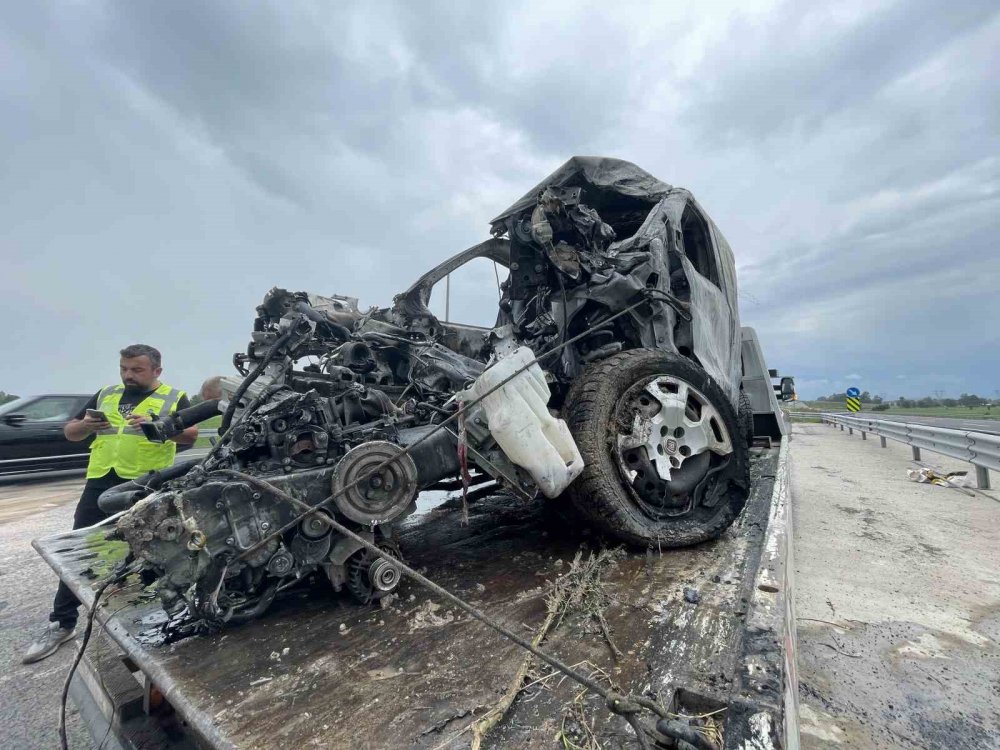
(133, 388)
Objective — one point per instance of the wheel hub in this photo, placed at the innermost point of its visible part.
(674, 422)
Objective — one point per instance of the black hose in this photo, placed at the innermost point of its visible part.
(125, 495)
(161, 430)
(257, 609)
(63, 742)
(198, 413)
(227, 418)
(121, 575)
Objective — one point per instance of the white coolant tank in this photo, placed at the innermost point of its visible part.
(520, 422)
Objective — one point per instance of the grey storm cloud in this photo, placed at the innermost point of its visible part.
(166, 163)
(804, 66)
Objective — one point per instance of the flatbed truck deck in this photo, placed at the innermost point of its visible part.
(705, 630)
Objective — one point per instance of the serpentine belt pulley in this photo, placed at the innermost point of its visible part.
(382, 496)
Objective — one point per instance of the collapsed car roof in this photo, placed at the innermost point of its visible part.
(607, 185)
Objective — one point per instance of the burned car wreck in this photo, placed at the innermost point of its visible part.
(610, 383)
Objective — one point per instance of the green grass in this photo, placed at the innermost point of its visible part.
(954, 412)
(208, 424)
(804, 416)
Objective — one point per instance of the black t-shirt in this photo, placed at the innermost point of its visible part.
(129, 400)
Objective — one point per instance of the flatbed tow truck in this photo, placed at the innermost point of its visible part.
(708, 631)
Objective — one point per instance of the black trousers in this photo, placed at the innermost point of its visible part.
(65, 605)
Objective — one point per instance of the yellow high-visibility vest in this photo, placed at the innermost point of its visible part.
(124, 448)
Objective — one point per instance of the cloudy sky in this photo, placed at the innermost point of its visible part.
(164, 164)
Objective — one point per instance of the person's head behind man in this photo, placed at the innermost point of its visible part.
(211, 389)
(140, 367)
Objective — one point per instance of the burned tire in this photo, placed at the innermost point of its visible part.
(666, 463)
(746, 419)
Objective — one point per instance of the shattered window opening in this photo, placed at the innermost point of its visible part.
(469, 295)
(698, 244)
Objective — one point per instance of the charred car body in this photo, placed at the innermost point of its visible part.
(620, 287)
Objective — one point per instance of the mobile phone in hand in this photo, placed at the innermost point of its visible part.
(97, 414)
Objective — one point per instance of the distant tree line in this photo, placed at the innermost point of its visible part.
(866, 398)
(970, 400)
(5, 397)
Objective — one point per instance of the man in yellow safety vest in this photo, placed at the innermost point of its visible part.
(119, 452)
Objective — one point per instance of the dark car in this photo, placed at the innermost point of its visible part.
(31, 434)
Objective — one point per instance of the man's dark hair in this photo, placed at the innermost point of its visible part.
(142, 350)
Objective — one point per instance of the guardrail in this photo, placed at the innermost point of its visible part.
(980, 449)
(13, 467)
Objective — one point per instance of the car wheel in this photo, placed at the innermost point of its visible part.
(666, 463)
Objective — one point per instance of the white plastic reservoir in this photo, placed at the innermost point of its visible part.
(520, 422)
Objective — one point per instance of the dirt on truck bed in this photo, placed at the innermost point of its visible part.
(319, 670)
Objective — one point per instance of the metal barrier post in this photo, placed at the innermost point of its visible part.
(916, 453)
(841, 428)
(882, 440)
(982, 477)
(864, 435)
(850, 430)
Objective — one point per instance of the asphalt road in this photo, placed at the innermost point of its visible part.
(29, 694)
(991, 426)
(897, 599)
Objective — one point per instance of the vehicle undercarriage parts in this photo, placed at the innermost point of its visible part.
(623, 412)
(518, 419)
